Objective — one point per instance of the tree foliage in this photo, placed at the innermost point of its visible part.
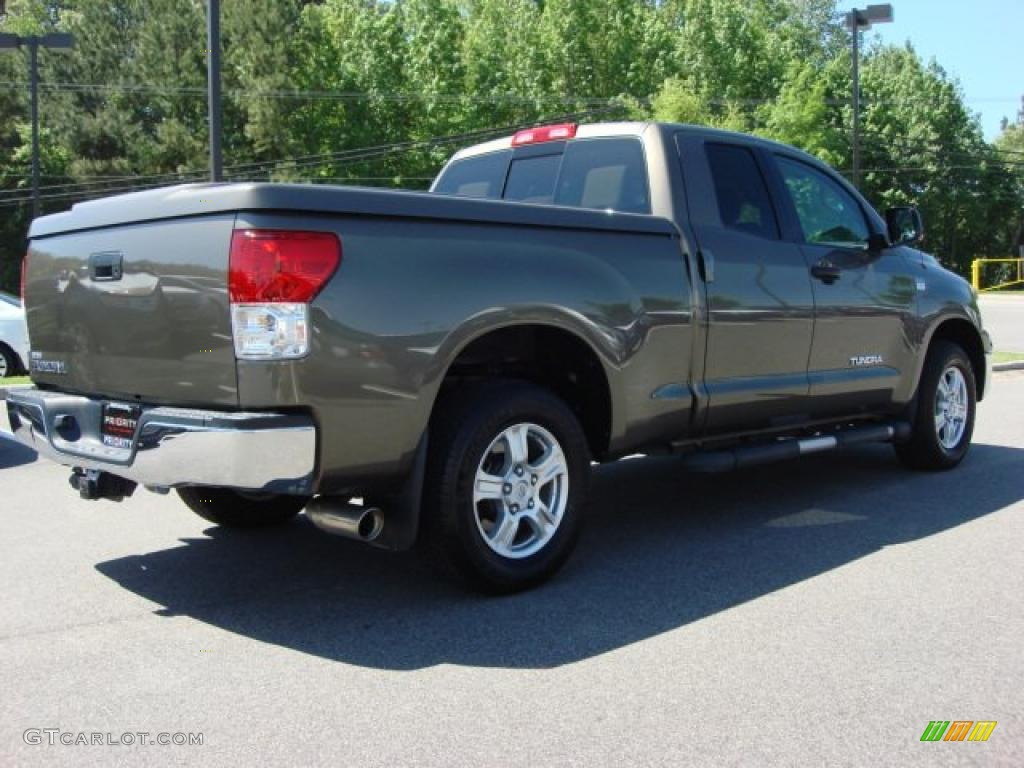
(309, 85)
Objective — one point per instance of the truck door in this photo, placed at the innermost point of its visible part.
(760, 304)
(864, 298)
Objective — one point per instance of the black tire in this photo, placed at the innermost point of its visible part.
(237, 509)
(925, 451)
(10, 366)
(467, 425)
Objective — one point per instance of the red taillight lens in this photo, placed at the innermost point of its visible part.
(544, 133)
(280, 265)
(24, 269)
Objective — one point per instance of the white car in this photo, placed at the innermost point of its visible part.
(13, 336)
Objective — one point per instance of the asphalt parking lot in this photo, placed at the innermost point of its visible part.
(818, 612)
(1003, 317)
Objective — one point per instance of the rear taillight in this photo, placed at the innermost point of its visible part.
(558, 132)
(281, 265)
(273, 274)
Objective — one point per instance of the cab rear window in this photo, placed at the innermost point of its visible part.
(605, 174)
(480, 176)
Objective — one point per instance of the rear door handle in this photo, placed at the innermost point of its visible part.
(826, 271)
(706, 260)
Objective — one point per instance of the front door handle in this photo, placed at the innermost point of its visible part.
(826, 271)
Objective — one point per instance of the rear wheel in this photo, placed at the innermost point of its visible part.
(506, 480)
(241, 509)
(946, 402)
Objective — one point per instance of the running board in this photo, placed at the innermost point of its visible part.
(752, 455)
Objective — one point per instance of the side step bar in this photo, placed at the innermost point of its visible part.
(752, 455)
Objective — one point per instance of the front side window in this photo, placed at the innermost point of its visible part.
(828, 214)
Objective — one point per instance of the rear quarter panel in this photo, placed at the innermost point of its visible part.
(411, 294)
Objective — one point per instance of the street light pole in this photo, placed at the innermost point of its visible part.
(213, 87)
(856, 20)
(32, 42)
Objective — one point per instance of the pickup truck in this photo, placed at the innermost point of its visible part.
(444, 367)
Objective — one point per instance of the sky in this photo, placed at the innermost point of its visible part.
(977, 41)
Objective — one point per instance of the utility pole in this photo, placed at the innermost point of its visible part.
(856, 20)
(55, 40)
(213, 87)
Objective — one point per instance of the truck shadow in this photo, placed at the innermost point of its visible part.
(662, 549)
(14, 454)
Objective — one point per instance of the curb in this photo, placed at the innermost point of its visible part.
(1013, 365)
(4, 390)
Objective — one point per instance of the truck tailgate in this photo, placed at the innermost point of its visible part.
(135, 311)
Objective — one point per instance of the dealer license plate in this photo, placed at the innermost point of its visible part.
(118, 426)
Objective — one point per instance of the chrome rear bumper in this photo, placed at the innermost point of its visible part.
(271, 452)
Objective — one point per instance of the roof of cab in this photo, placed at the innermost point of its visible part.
(585, 131)
(637, 128)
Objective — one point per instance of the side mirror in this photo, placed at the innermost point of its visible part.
(904, 225)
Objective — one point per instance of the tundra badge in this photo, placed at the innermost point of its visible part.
(859, 360)
(40, 364)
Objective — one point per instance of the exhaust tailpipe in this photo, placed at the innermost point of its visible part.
(339, 517)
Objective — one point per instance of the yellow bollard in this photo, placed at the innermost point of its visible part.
(976, 274)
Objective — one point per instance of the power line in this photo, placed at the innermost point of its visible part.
(395, 96)
(341, 157)
(335, 159)
(399, 96)
(936, 144)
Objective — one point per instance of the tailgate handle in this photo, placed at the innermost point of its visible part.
(106, 266)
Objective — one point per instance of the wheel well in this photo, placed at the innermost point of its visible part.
(965, 335)
(549, 357)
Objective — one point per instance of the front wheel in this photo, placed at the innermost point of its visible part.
(946, 402)
(506, 481)
(241, 509)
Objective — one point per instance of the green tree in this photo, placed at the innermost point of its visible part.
(922, 145)
(504, 82)
(804, 114)
(1009, 146)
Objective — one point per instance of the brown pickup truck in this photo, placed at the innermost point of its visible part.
(445, 366)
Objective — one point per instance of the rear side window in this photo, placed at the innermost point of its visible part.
(532, 179)
(480, 176)
(604, 173)
(741, 192)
